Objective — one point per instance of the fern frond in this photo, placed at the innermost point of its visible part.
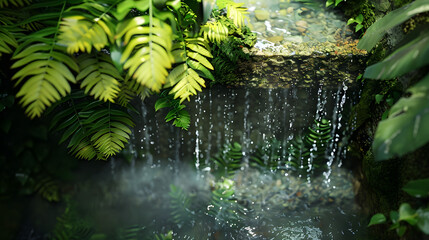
(237, 13)
(177, 112)
(47, 188)
(228, 159)
(147, 54)
(45, 75)
(187, 76)
(214, 31)
(99, 76)
(94, 129)
(89, 26)
(180, 203)
(7, 41)
(16, 3)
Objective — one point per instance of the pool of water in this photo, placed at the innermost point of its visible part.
(166, 181)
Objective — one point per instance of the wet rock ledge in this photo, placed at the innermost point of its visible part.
(299, 44)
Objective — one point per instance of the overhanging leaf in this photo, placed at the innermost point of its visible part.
(407, 127)
(377, 30)
(411, 56)
(423, 220)
(417, 188)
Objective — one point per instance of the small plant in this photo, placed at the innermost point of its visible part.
(406, 215)
(228, 160)
(333, 2)
(358, 20)
(177, 112)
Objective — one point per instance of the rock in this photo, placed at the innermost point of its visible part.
(301, 29)
(295, 39)
(289, 10)
(302, 24)
(275, 39)
(262, 15)
(283, 12)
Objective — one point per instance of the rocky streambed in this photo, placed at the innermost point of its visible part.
(299, 42)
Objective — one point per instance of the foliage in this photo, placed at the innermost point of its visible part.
(358, 20)
(333, 2)
(114, 51)
(406, 127)
(406, 214)
(228, 38)
(132, 232)
(180, 204)
(228, 159)
(304, 154)
(177, 112)
(70, 225)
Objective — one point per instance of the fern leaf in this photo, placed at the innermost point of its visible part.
(99, 76)
(214, 31)
(46, 75)
(237, 13)
(147, 54)
(184, 77)
(82, 31)
(180, 203)
(16, 3)
(94, 129)
(47, 188)
(7, 41)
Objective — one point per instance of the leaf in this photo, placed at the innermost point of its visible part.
(99, 76)
(411, 56)
(7, 41)
(147, 54)
(408, 214)
(214, 31)
(45, 77)
(407, 126)
(359, 19)
(378, 218)
(377, 30)
(417, 188)
(237, 13)
(401, 230)
(423, 220)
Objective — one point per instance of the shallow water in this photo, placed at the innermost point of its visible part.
(166, 180)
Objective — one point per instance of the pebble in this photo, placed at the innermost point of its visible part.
(262, 15)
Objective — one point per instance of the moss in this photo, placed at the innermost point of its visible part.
(364, 7)
(412, 23)
(400, 3)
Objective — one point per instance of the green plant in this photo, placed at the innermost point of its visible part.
(331, 2)
(406, 214)
(177, 112)
(407, 125)
(228, 160)
(358, 20)
(112, 50)
(70, 226)
(180, 203)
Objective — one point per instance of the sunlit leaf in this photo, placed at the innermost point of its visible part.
(408, 214)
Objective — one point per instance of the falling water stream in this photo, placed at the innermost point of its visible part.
(166, 181)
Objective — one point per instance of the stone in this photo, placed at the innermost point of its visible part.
(302, 24)
(301, 29)
(275, 39)
(289, 10)
(283, 12)
(295, 39)
(262, 15)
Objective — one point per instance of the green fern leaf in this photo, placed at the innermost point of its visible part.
(94, 128)
(16, 3)
(214, 31)
(237, 13)
(184, 78)
(7, 41)
(99, 76)
(45, 74)
(82, 31)
(147, 54)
